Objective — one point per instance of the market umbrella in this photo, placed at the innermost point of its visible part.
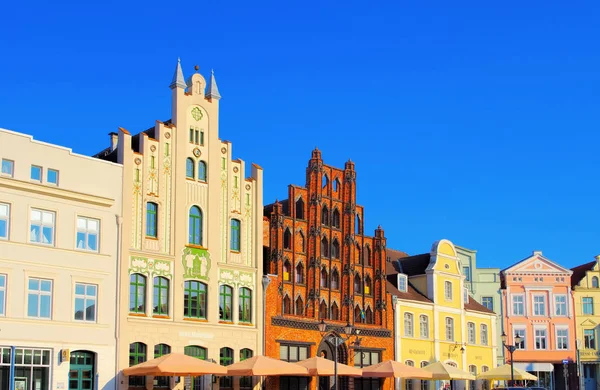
(265, 366)
(319, 366)
(442, 370)
(504, 373)
(394, 369)
(175, 364)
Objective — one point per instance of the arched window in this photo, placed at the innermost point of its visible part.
(335, 312)
(299, 306)
(357, 284)
(287, 239)
(202, 171)
(594, 282)
(194, 299)
(137, 355)
(300, 273)
(300, 208)
(137, 293)
(325, 181)
(151, 219)
(195, 226)
(189, 168)
(485, 385)
(358, 314)
(195, 351)
(302, 241)
(357, 226)
(160, 350)
(409, 382)
(225, 302)
(357, 254)
(324, 247)
(235, 234)
(369, 315)
(225, 359)
(335, 279)
(424, 326)
(323, 312)
(287, 270)
(472, 371)
(335, 249)
(161, 296)
(336, 218)
(336, 185)
(368, 286)
(408, 325)
(367, 256)
(324, 278)
(325, 216)
(424, 384)
(287, 305)
(245, 305)
(245, 381)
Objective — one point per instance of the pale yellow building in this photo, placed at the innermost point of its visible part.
(435, 319)
(59, 224)
(190, 279)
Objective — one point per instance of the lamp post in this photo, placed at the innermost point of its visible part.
(511, 349)
(336, 341)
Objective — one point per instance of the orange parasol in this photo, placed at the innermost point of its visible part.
(394, 369)
(176, 364)
(265, 366)
(319, 366)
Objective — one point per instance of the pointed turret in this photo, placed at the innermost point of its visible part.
(213, 90)
(178, 80)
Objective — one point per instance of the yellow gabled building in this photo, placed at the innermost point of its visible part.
(434, 317)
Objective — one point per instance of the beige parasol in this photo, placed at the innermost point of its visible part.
(319, 366)
(265, 366)
(394, 369)
(442, 370)
(176, 364)
(503, 372)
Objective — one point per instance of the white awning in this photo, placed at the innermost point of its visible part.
(544, 367)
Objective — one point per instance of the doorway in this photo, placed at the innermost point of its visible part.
(589, 376)
(81, 370)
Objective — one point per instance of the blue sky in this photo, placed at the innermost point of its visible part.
(471, 121)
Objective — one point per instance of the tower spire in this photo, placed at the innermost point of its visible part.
(178, 80)
(213, 90)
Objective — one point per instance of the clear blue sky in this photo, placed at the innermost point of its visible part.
(477, 122)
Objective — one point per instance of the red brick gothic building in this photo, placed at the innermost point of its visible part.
(321, 265)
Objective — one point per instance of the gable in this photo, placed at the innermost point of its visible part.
(444, 258)
(538, 264)
(588, 322)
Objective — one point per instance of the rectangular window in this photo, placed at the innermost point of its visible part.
(4, 220)
(88, 231)
(402, 283)
(86, 296)
(42, 227)
(39, 298)
(408, 325)
(424, 326)
(196, 137)
(293, 353)
(471, 332)
(36, 173)
(466, 295)
(483, 334)
(540, 339)
(235, 235)
(560, 305)
(518, 305)
(448, 290)
(151, 221)
(588, 305)
(8, 167)
(52, 176)
(589, 338)
(201, 136)
(562, 339)
(467, 273)
(488, 302)
(2, 295)
(449, 329)
(539, 305)
(521, 333)
(191, 135)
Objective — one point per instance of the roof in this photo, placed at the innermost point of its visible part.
(414, 265)
(394, 254)
(411, 293)
(473, 305)
(580, 271)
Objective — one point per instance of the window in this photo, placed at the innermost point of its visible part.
(424, 384)
(137, 355)
(560, 305)
(518, 305)
(467, 273)
(4, 220)
(8, 167)
(225, 294)
(191, 135)
(195, 226)
(160, 350)
(485, 384)
(36, 173)
(287, 305)
(39, 298)
(42, 227)
(540, 338)
(402, 283)
(335, 249)
(52, 176)
(287, 239)
(521, 333)
(358, 314)
(137, 293)
(357, 284)
(424, 326)
(151, 219)
(336, 219)
(335, 312)
(483, 334)
(245, 381)
(300, 273)
(324, 181)
(367, 256)
(588, 305)
(189, 168)
(539, 305)
(449, 329)
(448, 290)
(357, 227)
(335, 279)
(299, 306)
(293, 353)
(471, 332)
(195, 351)
(466, 295)
(235, 235)
(594, 282)
(368, 285)
(88, 231)
(194, 299)
(245, 305)
(336, 185)
(225, 359)
(562, 338)
(324, 278)
(201, 171)
(324, 247)
(324, 216)
(323, 311)
(86, 296)
(472, 371)
(369, 315)
(300, 208)
(589, 338)
(363, 359)
(408, 325)
(2, 295)
(409, 382)
(488, 302)
(287, 270)
(161, 296)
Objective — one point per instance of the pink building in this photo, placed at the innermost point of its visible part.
(538, 305)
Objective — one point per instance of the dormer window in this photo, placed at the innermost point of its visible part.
(402, 282)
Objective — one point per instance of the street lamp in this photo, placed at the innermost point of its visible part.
(511, 349)
(336, 341)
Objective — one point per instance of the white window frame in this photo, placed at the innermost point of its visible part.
(491, 300)
(409, 324)
(7, 219)
(556, 305)
(41, 225)
(3, 290)
(466, 295)
(522, 304)
(483, 334)
(535, 305)
(535, 338)
(40, 293)
(87, 231)
(448, 290)
(471, 335)
(565, 329)
(593, 339)
(12, 168)
(86, 298)
(424, 326)
(523, 333)
(583, 305)
(449, 323)
(402, 279)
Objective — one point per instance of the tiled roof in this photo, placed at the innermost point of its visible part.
(392, 279)
(473, 305)
(394, 254)
(579, 272)
(415, 265)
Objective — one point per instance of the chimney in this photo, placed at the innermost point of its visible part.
(114, 140)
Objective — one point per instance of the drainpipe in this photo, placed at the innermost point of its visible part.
(396, 352)
(118, 301)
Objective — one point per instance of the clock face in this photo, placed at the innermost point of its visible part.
(197, 113)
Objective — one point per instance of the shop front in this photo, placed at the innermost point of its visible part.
(543, 371)
(32, 368)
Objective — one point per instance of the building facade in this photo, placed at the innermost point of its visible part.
(190, 276)
(322, 266)
(538, 306)
(59, 215)
(586, 294)
(484, 286)
(436, 319)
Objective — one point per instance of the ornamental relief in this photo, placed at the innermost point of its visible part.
(150, 267)
(236, 278)
(196, 263)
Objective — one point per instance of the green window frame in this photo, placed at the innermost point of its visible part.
(137, 293)
(160, 350)
(151, 219)
(201, 171)
(195, 351)
(195, 226)
(225, 359)
(245, 301)
(189, 168)
(235, 234)
(161, 296)
(246, 381)
(194, 300)
(225, 303)
(137, 355)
